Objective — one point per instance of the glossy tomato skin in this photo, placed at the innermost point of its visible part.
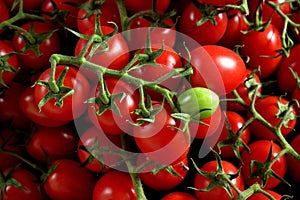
(284, 71)
(30, 109)
(162, 180)
(29, 60)
(260, 196)
(262, 49)
(268, 108)
(220, 2)
(50, 144)
(4, 13)
(178, 196)
(108, 188)
(161, 141)
(294, 165)
(268, 12)
(6, 75)
(88, 139)
(134, 6)
(228, 68)
(139, 28)
(30, 188)
(244, 92)
(73, 105)
(109, 13)
(111, 122)
(217, 193)
(260, 150)
(116, 57)
(205, 34)
(236, 121)
(69, 181)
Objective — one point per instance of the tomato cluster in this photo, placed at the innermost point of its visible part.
(139, 99)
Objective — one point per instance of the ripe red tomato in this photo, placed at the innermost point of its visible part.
(178, 196)
(109, 13)
(244, 92)
(206, 33)
(268, 12)
(4, 13)
(28, 5)
(32, 58)
(284, 70)
(260, 150)
(110, 122)
(162, 180)
(236, 121)
(108, 188)
(69, 181)
(228, 68)
(73, 105)
(269, 109)
(220, 2)
(266, 43)
(50, 144)
(217, 193)
(88, 139)
(30, 109)
(294, 165)
(260, 196)
(295, 17)
(9, 63)
(134, 6)
(29, 186)
(161, 141)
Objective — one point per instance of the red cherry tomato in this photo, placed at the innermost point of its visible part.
(294, 165)
(178, 196)
(28, 5)
(260, 196)
(260, 150)
(4, 13)
(220, 2)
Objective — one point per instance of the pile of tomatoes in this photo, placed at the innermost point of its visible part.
(139, 99)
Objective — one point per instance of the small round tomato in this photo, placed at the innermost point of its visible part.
(227, 67)
(178, 196)
(260, 196)
(270, 108)
(114, 185)
(135, 6)
(49, 144)
(67, 180)
(4, 13)
(284, 71)
(218, 192)
(260, 151)
(220, 2)
(73, 105)
(266, 43)
(294, 165)
(8, 64)
(34, 55)
(102, 161)
(206, 33)
(115, 121)
(21, 184)
(162, 179)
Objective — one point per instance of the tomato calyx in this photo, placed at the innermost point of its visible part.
(285, 112)
(263, 171)
(59, 93)
(5, 67)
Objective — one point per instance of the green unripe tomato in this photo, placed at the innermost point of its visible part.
(198, 102)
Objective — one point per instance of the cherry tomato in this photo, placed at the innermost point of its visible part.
(69, 181)
(163, 179)
(35, 55)
(220, 2)
(216, 193)
(27, 180)
(284, 71)
(8, 64)
(270, 110)
(135, 6)
(28, 5)
(260, 196)
(260, 150)
(112, 122)
(50, 144)
(178, 196)
(206, 33)
(108, 188)
(88, 139)
(294, 165)
(4, 13)
(262, 49)
(73, 105)
(295, 18)
(161, 141)
(228, 68)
